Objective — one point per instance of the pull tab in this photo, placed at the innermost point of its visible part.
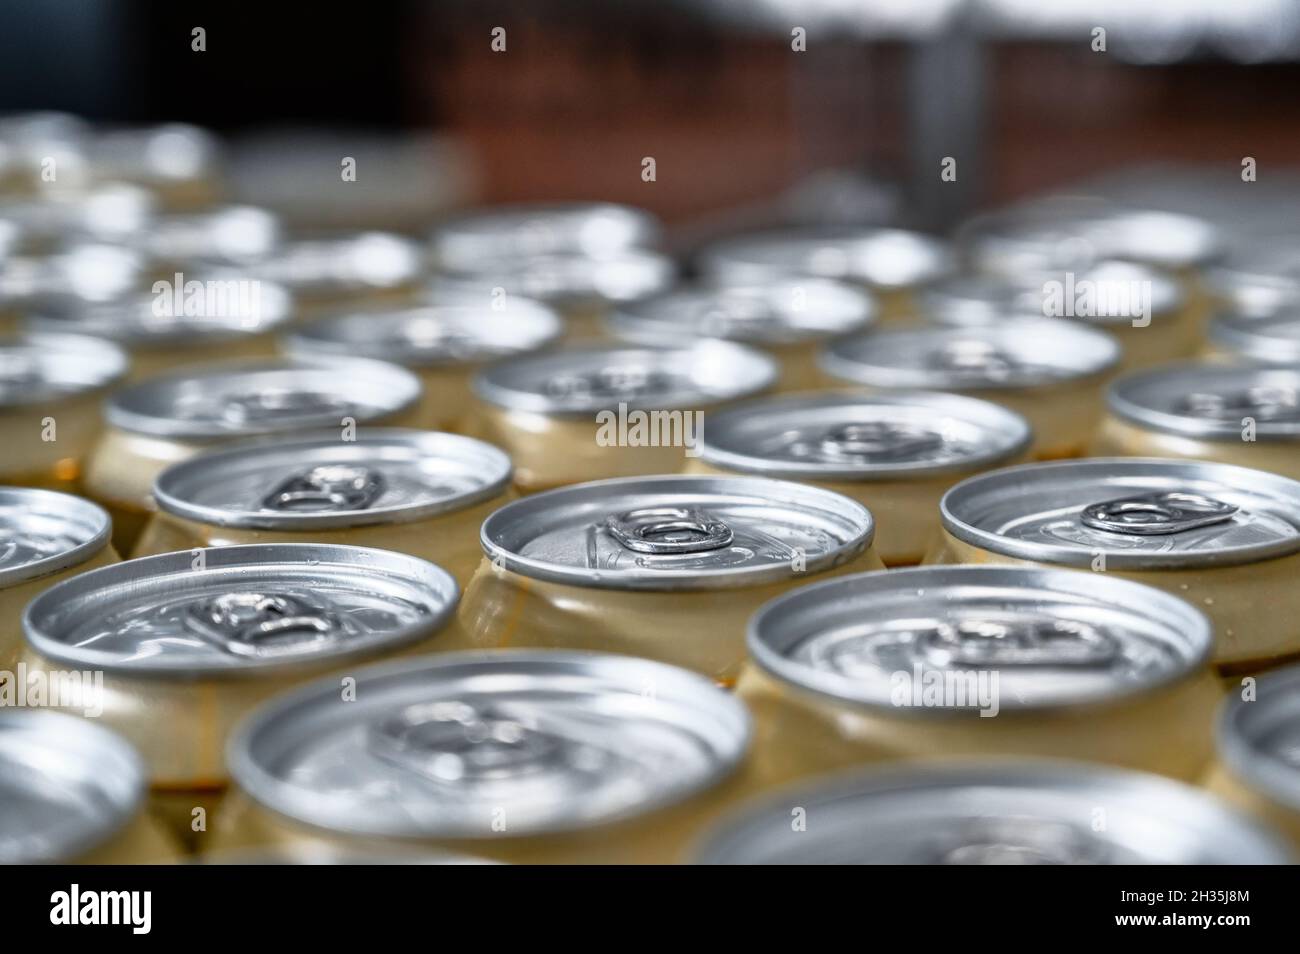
(879, 441)
(281, 405)
(454, 742)
(736, 313)
(432, 336)
(978, 643)
(665, 530)
(262, 625)
(327, 487)
(1157, 514)
(974, 357)
(613, 383)
(1263, 402)
(1019, 841)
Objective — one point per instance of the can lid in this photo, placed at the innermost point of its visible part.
(315, 482)
(1016, 353)
(230, 235)
(881, 258)
(677, 533)
(432, 336)
(582, 380)
(528, 230)
(85, 271)
(1271, 339)
(1135, 513)
(1258, 277)
(111, 211)
(1259, 740)
(1007, 638)
(1211, 401)
(324, 266)
(843, 436)
(263, 397)
(564, 280)
(1000, 812)
(38, 368)
(779, 311)
(67, 786)
(43, 532)
(241, 610)
(448, 745)
(157, 154)
(217, 307)
(1106, 293)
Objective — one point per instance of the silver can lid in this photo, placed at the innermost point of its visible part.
(580, 229)
(881, 258)
(230, 235)
(1271, 339)
(240, 611)
(564, 280)
(1211, 401)
(1003, 812)
(90, 272)
(111, 212)
(780, 311)
(1006, 638)
(263, 397)
(1259, 277)
(433, 335)
(37, 369)
(582, 380)
(677, 533)
(160, 154)
(473, 745)
(315, 482)
(843, 436)
(216, 307)
(43, 532)
(67, 786)
(1107, 293)
(1259, 740)
(1133, 512)
(352, 263)
(1016, 353)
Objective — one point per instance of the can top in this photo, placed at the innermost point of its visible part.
(1108, 293)
(1016, 353)
(157, 154)
(1000, 812)
(39, 368)
(111, 211)
(432, 336)
(228, 235)
(677, 533)
(263, 397)
(314, 482)
(345, 264)
(582, 380)
(1133, 512)
(1029, 639)
(1258, 277)
(881, 258)
(1259, 740)
(451, 746)
(43, 532)
(221, 307)
(844, 436)
(565, 280)
(1211, 401)
(1271, 339)
(230, 612)
(78, 270)
(528, 230)
(67, 786)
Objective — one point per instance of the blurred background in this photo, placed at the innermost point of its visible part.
(744, 129)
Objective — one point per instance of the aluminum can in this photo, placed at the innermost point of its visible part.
(1269, 340)
(595, 230)
(179, 162)
(894, 453)
(1257, 278)
(668, 568)
(1049, 370)
(1224, 538)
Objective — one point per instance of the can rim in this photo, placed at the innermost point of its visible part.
(74, 556)
(1059, 555)
(1119, 402)
(1234, 742)
(1010, 423)
(112, 354)
(305, 807)
(1191, 622)
(666, 579)
(232, 560)
(1250, 339)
